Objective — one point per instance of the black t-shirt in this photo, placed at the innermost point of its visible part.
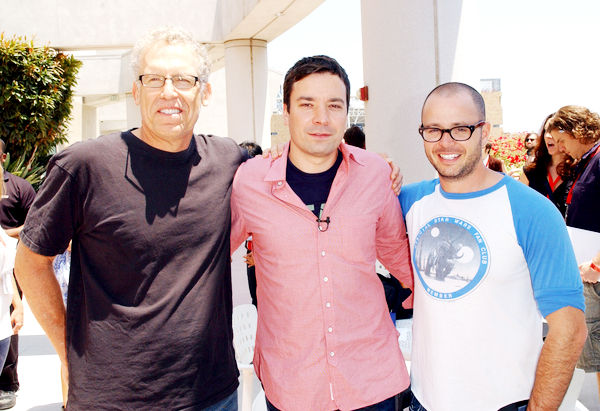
(17, 197)
(149, 302)
(313, 189)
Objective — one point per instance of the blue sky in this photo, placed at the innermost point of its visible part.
(546, 52)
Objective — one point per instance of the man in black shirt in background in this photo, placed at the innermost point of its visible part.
(17, 197)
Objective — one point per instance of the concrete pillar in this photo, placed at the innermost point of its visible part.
(246, 79)
(91, 127)
(134, 117)
(75, 126)
(408, 48)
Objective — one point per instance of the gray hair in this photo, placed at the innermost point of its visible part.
(171, 35)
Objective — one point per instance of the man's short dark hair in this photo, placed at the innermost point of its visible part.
(311, 65)
(354, 136)
(454, 88)
(253, 148)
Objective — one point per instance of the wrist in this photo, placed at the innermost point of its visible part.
(594, 267)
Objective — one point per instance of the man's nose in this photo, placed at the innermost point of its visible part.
(320, 115)
(446, 137)
(168, 89)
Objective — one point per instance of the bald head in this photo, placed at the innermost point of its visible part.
(451, 89)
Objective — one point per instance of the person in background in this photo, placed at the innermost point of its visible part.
(253, 150)
(354, 136)
(487, 269)
(548, 172)
(530, 141)
(9, 296)
(492, 162)
(16, 201)
(576, 131)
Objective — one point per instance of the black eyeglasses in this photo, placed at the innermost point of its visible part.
(458, 133)
(530, 139)
(180, 81)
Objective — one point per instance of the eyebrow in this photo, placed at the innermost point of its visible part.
(331, 100)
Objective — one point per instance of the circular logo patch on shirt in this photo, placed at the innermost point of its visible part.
(450, 256)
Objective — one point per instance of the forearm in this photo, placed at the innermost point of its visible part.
(563, 345)
(13, 232)
(16, 300)
(36, 278)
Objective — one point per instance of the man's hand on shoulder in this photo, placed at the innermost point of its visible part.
(274, 152)
(396, 176)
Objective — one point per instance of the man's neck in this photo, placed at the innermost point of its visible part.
(174, 145)
(480, 179)
(588, 147)
(311, 164)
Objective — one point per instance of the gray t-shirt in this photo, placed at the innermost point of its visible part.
(149, 302)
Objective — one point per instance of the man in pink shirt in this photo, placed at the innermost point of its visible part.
(319, 216)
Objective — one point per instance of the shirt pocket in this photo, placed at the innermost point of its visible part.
(358, 237)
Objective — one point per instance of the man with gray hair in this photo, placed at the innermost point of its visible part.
(148, 322)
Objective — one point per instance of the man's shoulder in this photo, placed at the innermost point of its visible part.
(15, 179)
(372, 160)
(212, 143)
(92, 148)
(412, 193)
(89, 154)
(256, 168)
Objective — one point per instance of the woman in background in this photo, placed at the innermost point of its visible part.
(549, 170)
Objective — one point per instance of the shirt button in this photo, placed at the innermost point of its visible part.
(327, 304)
(279, 183)
(323, 253)
(325, 279)
(331, 354)
(330, 329)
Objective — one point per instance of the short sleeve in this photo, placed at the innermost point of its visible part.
(51, 220)
(547, 249)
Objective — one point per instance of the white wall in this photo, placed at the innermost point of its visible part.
(408, 48)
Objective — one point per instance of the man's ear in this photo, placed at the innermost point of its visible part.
(485, 133)
(286, 115)
(206, 93)
(135, 91)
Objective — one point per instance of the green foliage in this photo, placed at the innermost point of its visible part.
(36, 85)
(34, 173)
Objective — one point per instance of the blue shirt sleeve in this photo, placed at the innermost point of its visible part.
(412, 193)
(542, 234)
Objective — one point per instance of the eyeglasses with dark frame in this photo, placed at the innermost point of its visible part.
(458, 133)
(180, 81)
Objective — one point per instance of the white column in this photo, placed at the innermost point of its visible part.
(91, 127)
(408, 49)
(246, 78)
(75, 125)
(134, 117)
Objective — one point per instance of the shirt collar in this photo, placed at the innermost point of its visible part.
(279, 164)
(590, 151)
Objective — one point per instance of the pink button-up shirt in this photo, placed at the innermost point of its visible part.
(325, 339)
